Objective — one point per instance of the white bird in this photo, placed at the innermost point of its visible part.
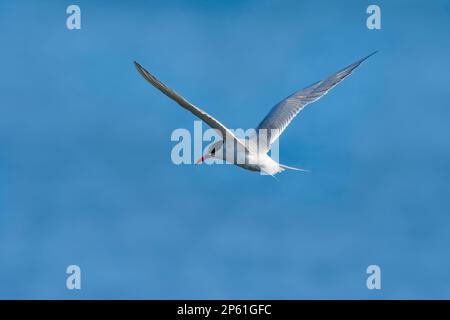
(251, 153)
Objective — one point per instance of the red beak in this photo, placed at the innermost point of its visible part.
(200, 160)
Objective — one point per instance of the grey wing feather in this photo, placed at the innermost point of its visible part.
(212, 122)
(284, 112)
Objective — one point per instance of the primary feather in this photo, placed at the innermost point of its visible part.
(285, 111)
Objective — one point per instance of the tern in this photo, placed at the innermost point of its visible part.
(254, 150)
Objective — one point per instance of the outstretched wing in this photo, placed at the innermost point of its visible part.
(211, 121)
(284, 112)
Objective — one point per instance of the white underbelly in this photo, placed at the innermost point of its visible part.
(262, 163)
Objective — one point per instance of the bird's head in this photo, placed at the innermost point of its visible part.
(215, 150)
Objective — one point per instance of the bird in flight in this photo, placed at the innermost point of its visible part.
(252, 153)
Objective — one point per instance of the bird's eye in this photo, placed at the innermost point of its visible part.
(213, 151)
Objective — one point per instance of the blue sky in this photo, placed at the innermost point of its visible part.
(86, 176)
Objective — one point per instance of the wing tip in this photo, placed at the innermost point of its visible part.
(355, 65)
(137, 65)
(367, 57)
(147, 75)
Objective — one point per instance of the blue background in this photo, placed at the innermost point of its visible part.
(86, 176)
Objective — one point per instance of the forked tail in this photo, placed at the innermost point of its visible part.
(284, 167)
